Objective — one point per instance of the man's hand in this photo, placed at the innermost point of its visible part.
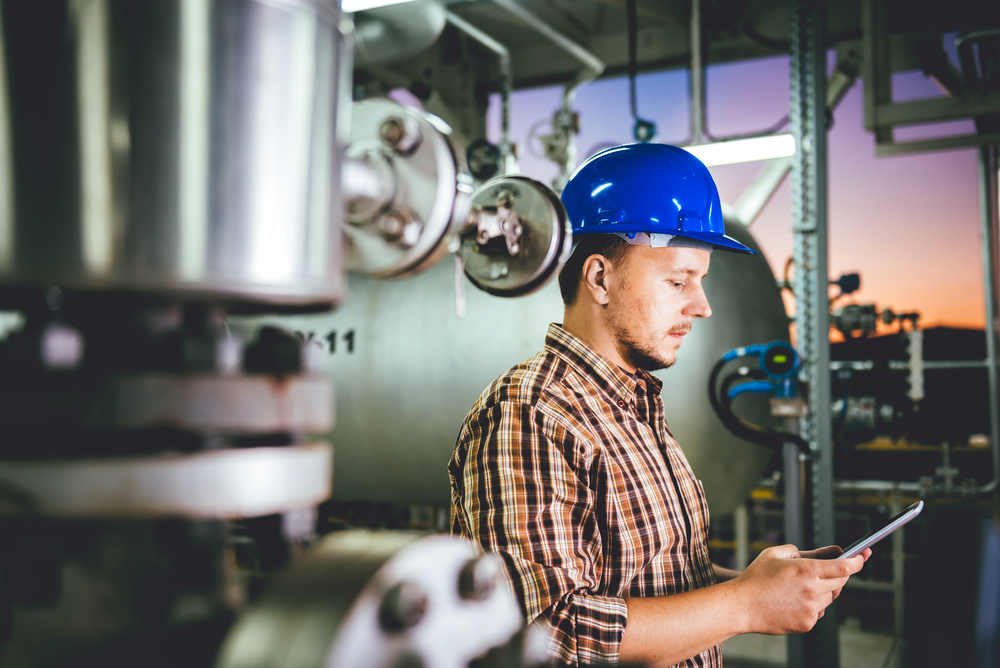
(787, 591)
(782, 591)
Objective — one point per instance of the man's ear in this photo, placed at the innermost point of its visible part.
(596, 274)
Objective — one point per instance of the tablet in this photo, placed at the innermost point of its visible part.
(875, 536)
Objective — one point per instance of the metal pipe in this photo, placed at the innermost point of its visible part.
(506, 83)
(696, 79)
(741, 523)
(593, 67)
(589, 60)
(903, 365)
(795, 651)
(898, 556)
(876, 485)
(369, 186)
(989, 205)
(393, 33)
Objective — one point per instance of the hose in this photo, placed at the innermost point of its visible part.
(740, 428)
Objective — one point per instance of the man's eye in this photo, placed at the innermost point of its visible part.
(677, 284)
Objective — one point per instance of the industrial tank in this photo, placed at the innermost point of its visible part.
(407, 370)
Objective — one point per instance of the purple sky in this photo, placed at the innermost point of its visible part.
(909, 224)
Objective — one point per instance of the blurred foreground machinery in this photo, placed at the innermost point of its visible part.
(163, 166)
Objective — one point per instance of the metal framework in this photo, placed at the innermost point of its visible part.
(989, 208)
(882, 114)
(809, 227)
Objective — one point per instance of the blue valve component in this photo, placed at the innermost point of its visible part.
(758, 386)
(778, 360)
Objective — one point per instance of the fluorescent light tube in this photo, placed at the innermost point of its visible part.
(351, 6)
(744, 150)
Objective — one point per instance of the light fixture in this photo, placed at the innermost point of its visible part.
(744, 150)
(351, 6)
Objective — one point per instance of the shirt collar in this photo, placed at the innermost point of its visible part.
(611, 378)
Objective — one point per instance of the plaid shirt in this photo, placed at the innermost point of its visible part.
(565, 468)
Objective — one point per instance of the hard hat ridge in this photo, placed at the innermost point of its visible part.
(650, 188)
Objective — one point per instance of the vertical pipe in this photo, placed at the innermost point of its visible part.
(93, 77)
(741, 520)
(989, 213)
(795, 642)
(506, 83)
(897, 565)
(7, 227)
(194, 127)
(697, 77)
(807, 32)
(593, 67)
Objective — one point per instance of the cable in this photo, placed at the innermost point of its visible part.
(633, 53)
(643, 131)
(739, 427)
(776, 44)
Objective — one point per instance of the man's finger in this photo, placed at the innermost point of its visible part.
(828, 552)
(839, 568)
(785, 552)
(835, 584)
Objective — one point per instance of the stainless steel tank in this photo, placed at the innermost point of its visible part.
(408, 371)
(180, 148)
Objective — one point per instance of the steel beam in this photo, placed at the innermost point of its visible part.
(938, 109)
(989, 203)
(807, 32)
(941, 144)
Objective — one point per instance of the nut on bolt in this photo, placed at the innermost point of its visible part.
(400, 134)
(403, 606)
(478, 578)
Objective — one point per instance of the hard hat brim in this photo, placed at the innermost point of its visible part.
(721, 241)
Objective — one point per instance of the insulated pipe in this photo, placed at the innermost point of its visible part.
(506, 83)
(396, 32)
(989, 191)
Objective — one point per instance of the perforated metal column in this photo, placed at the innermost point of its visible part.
(809, 225)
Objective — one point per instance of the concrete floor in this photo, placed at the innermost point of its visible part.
(858, 649)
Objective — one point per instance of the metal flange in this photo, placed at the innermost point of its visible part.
(217, 484)
(362, 599)
(407, 190)
(518, 236)
(246, 403)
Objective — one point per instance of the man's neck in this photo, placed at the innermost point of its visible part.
(594, 332)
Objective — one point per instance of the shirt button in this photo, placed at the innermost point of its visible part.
(621, 404)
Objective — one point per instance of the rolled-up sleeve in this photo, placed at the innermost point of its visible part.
(521, 488)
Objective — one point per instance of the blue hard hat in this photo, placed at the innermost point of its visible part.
(651, 188)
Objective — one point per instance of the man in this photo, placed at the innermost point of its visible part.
(565, 467)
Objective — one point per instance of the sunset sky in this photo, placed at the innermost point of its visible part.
(908, 224)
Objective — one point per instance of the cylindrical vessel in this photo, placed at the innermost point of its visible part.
(408, 371)
(177, 148)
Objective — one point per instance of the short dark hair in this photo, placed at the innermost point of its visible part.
(611, 246)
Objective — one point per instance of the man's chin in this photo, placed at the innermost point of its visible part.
(650, 362)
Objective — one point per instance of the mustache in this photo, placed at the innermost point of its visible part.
(680, 329)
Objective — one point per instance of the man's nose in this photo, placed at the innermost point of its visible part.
(698, 307)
